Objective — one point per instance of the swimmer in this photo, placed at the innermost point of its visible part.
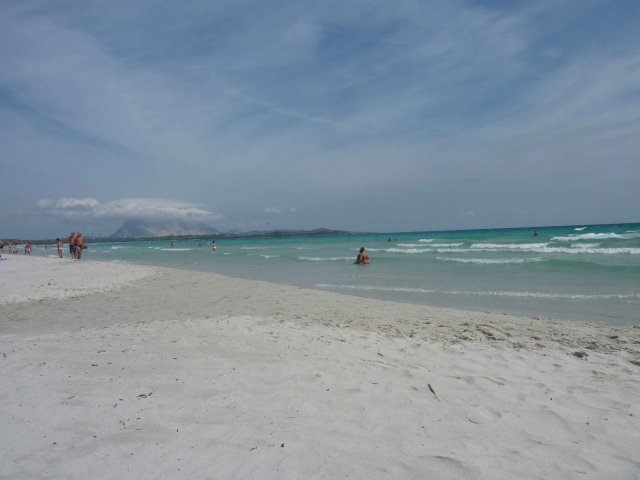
(363, 257)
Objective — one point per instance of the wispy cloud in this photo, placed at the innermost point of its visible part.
(324, 106)
(127, 208)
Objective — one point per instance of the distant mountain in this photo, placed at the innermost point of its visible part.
(162, 228)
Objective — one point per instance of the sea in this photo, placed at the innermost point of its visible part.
(581, 272)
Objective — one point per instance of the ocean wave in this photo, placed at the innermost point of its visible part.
(585, 245)
(491, 261)
(596, 236)
(431, 245)
(324, 259)
(407, 250)
(118, 247)
(461, 250)
(426, 240)
(597, 251)
(269, 256)
(508, 246)
(554, 296)
(175, 249)
(579, 229)
(254, 248)
(543, 248)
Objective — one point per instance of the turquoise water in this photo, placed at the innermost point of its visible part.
(579, 272)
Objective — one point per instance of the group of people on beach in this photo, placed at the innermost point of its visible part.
(13, 247)
(76, 245)
(76, 240)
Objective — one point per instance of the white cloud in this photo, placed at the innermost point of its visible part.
(76, 202)
(128, 208)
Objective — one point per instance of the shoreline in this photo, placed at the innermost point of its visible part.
(370, 312)
(175, 373)
(519, 307)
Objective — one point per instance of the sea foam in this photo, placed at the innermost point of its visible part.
(596, 236)
(324, 259)
(491, 261)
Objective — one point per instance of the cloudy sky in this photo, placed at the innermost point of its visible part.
(359, 115)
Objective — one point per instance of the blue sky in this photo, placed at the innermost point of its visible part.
(368, 116)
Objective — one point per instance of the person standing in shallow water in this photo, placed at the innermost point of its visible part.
(363, 257)
(59, 243)
(79, 245)
(72, 244)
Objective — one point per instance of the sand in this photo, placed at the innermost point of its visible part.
(120, 371)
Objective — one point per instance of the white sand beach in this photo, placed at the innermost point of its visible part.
(119, 371)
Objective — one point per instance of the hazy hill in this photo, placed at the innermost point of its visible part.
(161, 228)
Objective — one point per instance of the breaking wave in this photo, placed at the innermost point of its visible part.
(508, 246)
(544, 248)
(408, 250)
(324, 259)
(491, 261)
(596, 236)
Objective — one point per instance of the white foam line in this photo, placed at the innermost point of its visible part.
(595, 236)
(491, 261)
(324, 259)
(510, 246)
(434, 245)
(543, 248)
(559, 296)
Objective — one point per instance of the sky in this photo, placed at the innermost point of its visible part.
(357, 115)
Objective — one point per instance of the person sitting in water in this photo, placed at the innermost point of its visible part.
(363, 257)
